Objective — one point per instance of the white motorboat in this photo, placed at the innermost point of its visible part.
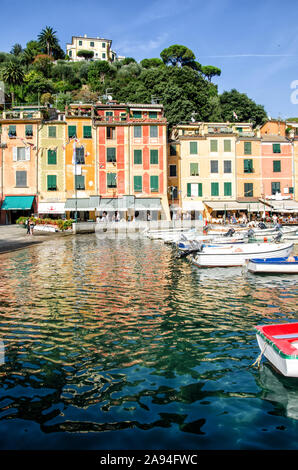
(236, 255)
(285, 265)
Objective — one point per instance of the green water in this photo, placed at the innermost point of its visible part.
(116, 344)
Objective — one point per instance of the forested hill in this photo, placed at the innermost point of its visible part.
(41, 72)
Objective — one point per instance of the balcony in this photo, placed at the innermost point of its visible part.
(220, 130)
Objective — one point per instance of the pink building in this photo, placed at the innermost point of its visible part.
(277, 166)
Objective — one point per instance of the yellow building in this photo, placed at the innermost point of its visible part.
(174, 170)
(100, 47)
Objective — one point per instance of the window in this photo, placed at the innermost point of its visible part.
(111, 133)
(80, 155)
(21, 154)
(87, 132)
(137, 157)
(213, 145)
(21, 179)
(152, 115)
(111, 154)
(80, 181)
(111, 180)
(72, 132)
(173, 170)
(103, 55)
(248, 166)
(214, 166)
(275, 188)
(248, 189)
(227, 189)
(52, 157)
(214, 189)
(52, 131)
(194, 169)
(91, 44)
(153, 131)
(154, 186)
(52, 182)
(276, 166)
(173, 150)
(70, 53)
(29, 130)
(291, 190)
(153, 157)
(80, 43)
(137, 131)
(137, 184)
(123, 116)
(12, 131)
(194, 190)
(247, 148)
(227, 166)
(109, 114)
(276, 148)
(193, 148)
(137, 114)
(104, 45)
(227, 146)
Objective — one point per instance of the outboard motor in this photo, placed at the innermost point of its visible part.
(250, 233)
(278, 227)
(262, 226)
(278, 237)
(229, 233)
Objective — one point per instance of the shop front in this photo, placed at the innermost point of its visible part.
(14, 207)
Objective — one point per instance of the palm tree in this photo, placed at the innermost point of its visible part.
(48, 39)
(13, 75)
(16, 49)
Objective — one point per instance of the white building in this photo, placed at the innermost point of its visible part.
(100, 47)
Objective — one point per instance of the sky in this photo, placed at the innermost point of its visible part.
(253, 42)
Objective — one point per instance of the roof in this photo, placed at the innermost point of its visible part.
(275, 138)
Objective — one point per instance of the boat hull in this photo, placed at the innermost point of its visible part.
(237, 256)
(279, 344)
(273, 265)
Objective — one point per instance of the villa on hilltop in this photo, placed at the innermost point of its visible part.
(101, 48)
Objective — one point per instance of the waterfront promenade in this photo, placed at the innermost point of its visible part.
(14, 237)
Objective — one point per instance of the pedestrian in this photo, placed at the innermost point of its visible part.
(31, 226)
(27, 224)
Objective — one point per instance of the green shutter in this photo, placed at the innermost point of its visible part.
(152, 115)
(227, 146)
(72, 131)
(29, 130)
(52, 131)
(248, 190)
(247, 148)
(52, 182)
(214, 189)
(154, 186)
(193, 148)
(188, 189)
(276, 148)
(12, 130)
(137, 183)
(200, 189)
(153, 131)
(80, 181)
(52, 157)
(248, 166)
(137, 157)
(111, 180)
(276, 165)
(137, 114)
(111, 154)
(154, 157)
(213, 145)
(87, 132)
(194, 169)
(227, 189)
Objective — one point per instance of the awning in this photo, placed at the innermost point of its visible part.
(80, 204)
(17, 203)
(193, 206)
(286, 206)
(51, 208)
(149, 203)
(235, 205)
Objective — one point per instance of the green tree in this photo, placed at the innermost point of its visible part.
(209, 71)
(48, 39)
(176, 55)
(13, 75)
(245, 108)
(16, 49)
(86, 54)
(148, 63)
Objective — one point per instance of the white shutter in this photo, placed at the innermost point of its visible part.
(27, 153)
(77, 170)
(14, 154)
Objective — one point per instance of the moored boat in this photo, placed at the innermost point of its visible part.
(285, 265)
(279, 344)
(237, 255)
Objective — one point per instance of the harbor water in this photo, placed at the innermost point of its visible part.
(117, 344)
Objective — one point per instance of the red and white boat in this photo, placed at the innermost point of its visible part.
(279, 344)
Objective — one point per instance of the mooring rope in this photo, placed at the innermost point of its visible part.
(259, 358)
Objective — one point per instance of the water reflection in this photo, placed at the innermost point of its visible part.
(120, 336)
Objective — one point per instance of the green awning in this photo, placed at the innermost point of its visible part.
(17, 203)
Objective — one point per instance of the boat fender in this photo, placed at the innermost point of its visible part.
(291, 259)
(238, 250)
(265, 239)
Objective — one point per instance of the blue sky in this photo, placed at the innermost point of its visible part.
(254, 43)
